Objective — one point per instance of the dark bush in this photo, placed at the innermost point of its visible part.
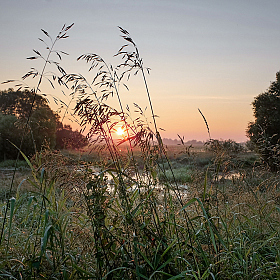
(66, 138)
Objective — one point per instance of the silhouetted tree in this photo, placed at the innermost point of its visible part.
(43, 126)
(18, 103)
(264, 132)
(15, 108)
(66, 138)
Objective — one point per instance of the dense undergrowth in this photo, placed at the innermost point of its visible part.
(126, 215)
(71, 220)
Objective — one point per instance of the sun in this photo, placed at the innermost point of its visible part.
(120, 131)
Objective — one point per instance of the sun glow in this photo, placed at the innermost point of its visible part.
(120, 131)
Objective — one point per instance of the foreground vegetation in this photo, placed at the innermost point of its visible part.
(70, 221)
(150, 212)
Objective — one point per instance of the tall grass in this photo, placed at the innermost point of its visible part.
(127, 217)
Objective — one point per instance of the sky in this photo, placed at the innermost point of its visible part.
(208, 54)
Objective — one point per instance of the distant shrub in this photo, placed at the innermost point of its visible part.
(250, 146)
(66, 138)
(222, 146)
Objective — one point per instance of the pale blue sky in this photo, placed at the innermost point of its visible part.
(215, 55)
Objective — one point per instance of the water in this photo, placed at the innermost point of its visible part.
(141, 183)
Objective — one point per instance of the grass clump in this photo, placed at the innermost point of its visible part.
(182, 175)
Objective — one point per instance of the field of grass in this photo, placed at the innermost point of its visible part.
(67, 221)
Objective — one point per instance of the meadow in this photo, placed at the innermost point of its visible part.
(135, 208)
(67, 221)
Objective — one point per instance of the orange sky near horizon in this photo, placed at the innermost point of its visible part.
(212, 55)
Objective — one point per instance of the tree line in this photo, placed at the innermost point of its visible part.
(43, 128)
